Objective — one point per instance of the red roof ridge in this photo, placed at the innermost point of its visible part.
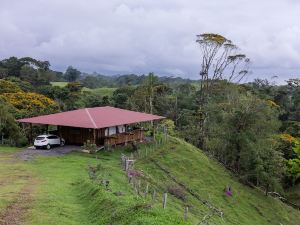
(89, 115)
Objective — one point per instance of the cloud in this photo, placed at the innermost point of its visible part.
(139, 36)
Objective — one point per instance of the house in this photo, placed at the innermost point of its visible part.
(100, 125)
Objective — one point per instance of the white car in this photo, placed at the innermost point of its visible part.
(47, 141)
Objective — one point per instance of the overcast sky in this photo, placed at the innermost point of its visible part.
(139, 36)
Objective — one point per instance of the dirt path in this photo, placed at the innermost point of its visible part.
(15, 213)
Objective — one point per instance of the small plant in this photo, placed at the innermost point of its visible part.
(178, 192)
(90, 147)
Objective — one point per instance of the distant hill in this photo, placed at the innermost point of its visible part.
(133, 79)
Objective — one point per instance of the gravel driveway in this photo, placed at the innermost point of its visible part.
(30, 153)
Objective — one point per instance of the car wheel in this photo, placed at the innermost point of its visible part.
(62, 143)
(48, 146)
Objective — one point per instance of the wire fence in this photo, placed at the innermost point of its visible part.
(153, 194)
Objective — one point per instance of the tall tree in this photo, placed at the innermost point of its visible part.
(240, 133)
(72, 74)
(220, 60)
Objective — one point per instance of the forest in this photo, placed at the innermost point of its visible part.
(251, 128)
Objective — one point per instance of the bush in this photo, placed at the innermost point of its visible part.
(91, 147)
(22, 141)
(178, 192)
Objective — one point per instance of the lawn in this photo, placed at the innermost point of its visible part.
(59, 84)
(62, 192)
(104, 91)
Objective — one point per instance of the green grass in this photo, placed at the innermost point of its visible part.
(13, 176)
(59, 84)
(294, 194)
(64, 193)
(104, 91)
(208, 179)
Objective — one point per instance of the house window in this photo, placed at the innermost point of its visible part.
(110, 131)
(121, 129)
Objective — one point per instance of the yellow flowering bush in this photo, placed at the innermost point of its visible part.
(30, 104)
(8, 87)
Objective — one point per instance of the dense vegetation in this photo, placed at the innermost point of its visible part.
(251, 128)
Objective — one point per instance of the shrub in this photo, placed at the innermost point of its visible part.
(177, 191)
(22, 141)
(91, 147)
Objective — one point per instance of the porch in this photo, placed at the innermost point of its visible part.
(124, 138)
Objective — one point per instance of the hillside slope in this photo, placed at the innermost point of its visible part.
(64, 192)
(179, 164)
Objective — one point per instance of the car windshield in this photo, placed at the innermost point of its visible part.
(40, 138)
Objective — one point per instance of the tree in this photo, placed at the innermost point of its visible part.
(13, 66)
(220, 61)
(121, 97)
(72, 74)
(91, 99)
(8, 126)
(90, 82)
(240, 131)
(294, 164)
(150, 83)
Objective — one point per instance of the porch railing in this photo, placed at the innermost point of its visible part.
(123, 138)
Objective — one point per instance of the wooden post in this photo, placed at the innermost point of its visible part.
(30, 133)
(126, 164)
(165, 200)
(59, 131)
(186, 210)
(94, 136)
(139, 186)
(153, 195)
(147, 189)
(126, 139)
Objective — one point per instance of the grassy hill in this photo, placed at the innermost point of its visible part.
(59, 83)
(63, 193)
(104, 91)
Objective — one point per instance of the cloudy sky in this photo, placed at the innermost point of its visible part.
(139, 36)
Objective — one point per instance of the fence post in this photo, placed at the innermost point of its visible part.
(186, 210)
(165, 200)
(139, 186)
(126, 164)
(146, 191)
(154, 195)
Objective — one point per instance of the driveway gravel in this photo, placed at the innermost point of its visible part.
(30, 153)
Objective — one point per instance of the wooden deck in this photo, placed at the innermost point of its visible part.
(124, 138)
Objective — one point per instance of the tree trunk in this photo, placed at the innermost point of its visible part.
(267, 189)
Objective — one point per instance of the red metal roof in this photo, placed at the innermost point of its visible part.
(98, 117)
